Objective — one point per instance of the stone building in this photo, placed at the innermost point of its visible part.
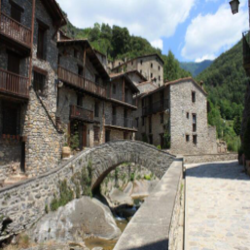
(150, 66)
(119, 112)
(28, 90)
(174, 116)
(82, 92)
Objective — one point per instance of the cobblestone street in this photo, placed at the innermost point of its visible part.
(217, 207)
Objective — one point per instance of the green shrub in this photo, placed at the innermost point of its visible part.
(148, 177)
(132, 177)
(159, 147)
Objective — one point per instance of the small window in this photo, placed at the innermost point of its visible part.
(80, 70)
(143, 121)
(152, 65)
(141, 72)
(96, 133)
(162, 118)
(159, 78)
(75, 53)
(152, 75)
(187, 138)
(16, 12)
(150, 139)
(137, 122)
(114, 89)
(195, 139)
(141, 62)
(194, 123)
(41, 42)
(193, 96)
(39, 82)
(159, 68)
(187, 115)
(96, 109)
(79, 100)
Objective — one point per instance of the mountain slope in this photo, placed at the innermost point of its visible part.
(195, 68)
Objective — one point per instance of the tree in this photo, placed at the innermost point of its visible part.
(95, 32)
(237, 124)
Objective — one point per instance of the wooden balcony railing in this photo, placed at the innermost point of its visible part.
(246, 47)
(77, 112)
(81, 82)
(15, 30)
(120, 121)
(14, 84)
(156, 107)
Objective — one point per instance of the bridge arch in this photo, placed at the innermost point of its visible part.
(107, 157)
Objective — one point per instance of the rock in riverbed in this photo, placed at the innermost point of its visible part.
(76, 221)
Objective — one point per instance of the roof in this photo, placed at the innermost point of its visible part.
(124, 75)
(90, 53)
(149, 55)
(99, 52)
(181, 80)
(55, 11)
(138, 73)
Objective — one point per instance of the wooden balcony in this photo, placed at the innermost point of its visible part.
(81, 82)
(121, 122)
(156, 107)
(82, 114)
(246, 51)
(13, 84)
(15, 31)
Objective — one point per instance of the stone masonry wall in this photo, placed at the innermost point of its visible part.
(180, 126)
(190, 159)
(24, 203)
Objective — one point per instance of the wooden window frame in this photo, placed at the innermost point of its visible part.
(44, 74)
(193, 97)
(44, 28)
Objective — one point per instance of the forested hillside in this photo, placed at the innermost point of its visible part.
(225, 81)
(117, 43)
(195, 68)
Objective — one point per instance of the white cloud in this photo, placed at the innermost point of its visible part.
(209, 34)
(150, 19)
(158, 44)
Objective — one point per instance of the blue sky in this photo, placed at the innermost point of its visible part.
(194, 30)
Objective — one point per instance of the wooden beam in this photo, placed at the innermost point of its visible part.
(32, 38)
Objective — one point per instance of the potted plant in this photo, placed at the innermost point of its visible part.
(246, 146)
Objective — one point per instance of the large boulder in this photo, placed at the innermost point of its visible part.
(76, 221)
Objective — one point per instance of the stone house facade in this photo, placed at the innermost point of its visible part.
(174, 116)
(150, 66)
(28, 97)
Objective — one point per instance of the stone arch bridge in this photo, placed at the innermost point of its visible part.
(24, 203)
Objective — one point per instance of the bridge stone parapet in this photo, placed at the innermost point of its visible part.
(156, 223)
(23, 204)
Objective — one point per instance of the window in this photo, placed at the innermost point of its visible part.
(10, 119)
(187, 138)
(39, 82)
(194, 123)
(16, 12)
(143, 121)
(114, 89)
(80, 70)
(137, 122)
(75, 53)
(107, 135)
(96, 109)
(152, 75)
(162, 118)
(159, 68)
(140, 71)
(187, 115)
(41, 42)
(96, 133)
(193, 96)
(159, 78)
(152, 65)
(141, 62)
(150, 139)
(79, 100)
(195, 139)
(150, 124)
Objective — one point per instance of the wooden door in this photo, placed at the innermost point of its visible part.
(84, 136)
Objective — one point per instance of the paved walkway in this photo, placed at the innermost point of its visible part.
(217, 207)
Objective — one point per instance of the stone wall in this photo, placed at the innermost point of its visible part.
(189, 159)
(181, 125)
(24, 203)
(154, 225)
